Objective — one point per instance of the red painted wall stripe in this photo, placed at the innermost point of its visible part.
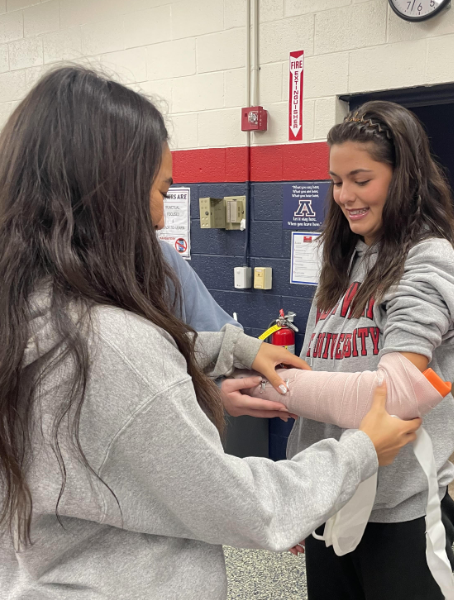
(290, 162)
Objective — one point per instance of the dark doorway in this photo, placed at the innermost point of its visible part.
(434, 106)
(439, 123)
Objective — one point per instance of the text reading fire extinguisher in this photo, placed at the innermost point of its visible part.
(282, 331)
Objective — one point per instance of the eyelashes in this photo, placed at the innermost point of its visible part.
(360, 183)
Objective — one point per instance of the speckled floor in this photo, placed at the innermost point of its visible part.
(261, 575)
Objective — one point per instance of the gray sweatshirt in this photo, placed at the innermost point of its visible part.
(180, 495)
(414, 316)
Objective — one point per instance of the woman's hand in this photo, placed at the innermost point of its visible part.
(269, 357)
(298, 549)
(266, 361)
(388, 434)
(238, 404)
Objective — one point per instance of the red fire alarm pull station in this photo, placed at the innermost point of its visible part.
(254, 118)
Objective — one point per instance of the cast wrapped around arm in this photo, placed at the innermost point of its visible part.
(343, 399)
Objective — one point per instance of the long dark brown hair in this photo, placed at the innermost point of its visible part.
(77, 161)
(418, 205)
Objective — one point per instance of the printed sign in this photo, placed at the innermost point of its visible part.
(306, 258)
(177, 221)
(304, 204)
(295, 96)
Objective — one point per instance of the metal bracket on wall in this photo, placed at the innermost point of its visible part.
(212, 213)
(235, 211)
(223, 213)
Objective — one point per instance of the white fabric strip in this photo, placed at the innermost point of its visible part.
(437, 558)
(344, 530)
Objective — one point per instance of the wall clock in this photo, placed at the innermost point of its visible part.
(418, 10)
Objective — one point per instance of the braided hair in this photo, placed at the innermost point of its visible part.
(418, 204)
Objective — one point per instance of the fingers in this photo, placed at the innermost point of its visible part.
(234, 385)
(278, 383)
(238, 404)
(295, 361)
(413, 425)
(263, 405)
(268, 357)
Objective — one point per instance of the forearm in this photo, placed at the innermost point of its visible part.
(343, 399)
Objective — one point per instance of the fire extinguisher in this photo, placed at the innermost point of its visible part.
(282, 331)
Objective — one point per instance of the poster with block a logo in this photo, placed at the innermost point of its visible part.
(304, 205)
(295, 97)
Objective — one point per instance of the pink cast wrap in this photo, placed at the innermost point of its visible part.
(343, 399)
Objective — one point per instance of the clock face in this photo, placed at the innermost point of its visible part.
(417, 10)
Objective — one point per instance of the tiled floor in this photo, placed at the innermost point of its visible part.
(261, 575)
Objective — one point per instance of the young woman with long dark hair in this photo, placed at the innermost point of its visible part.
(113, 479)
(384, 304)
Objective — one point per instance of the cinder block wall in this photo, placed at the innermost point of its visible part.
(191, 54)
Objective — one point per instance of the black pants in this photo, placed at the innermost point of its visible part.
(388, 564)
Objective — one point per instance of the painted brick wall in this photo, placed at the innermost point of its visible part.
(215, 253)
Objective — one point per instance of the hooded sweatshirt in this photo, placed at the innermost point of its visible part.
(178, 496)
(414, 316)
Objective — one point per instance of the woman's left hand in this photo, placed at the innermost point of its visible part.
(269, 357)
(238, 404)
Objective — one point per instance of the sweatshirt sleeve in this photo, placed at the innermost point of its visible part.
(418, 311)
(171, 477)
(219, 353)
(198, 307)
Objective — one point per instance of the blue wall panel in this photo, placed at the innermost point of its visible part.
(215, 253)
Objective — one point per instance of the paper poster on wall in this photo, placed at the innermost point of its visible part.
(304, 204)
(177, 230)
(295, 97)
(306, 258)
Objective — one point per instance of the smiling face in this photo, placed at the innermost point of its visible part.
(360, 187)
(160, 188)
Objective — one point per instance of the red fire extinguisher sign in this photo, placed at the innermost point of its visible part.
(295, 98)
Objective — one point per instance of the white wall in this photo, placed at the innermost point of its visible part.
(192, 53)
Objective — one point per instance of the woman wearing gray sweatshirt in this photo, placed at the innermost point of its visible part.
(113, 479)
(386, 285)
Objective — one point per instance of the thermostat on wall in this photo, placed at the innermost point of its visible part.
(263, 278)
(242, 277)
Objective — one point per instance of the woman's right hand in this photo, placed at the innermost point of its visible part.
(388, 434)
